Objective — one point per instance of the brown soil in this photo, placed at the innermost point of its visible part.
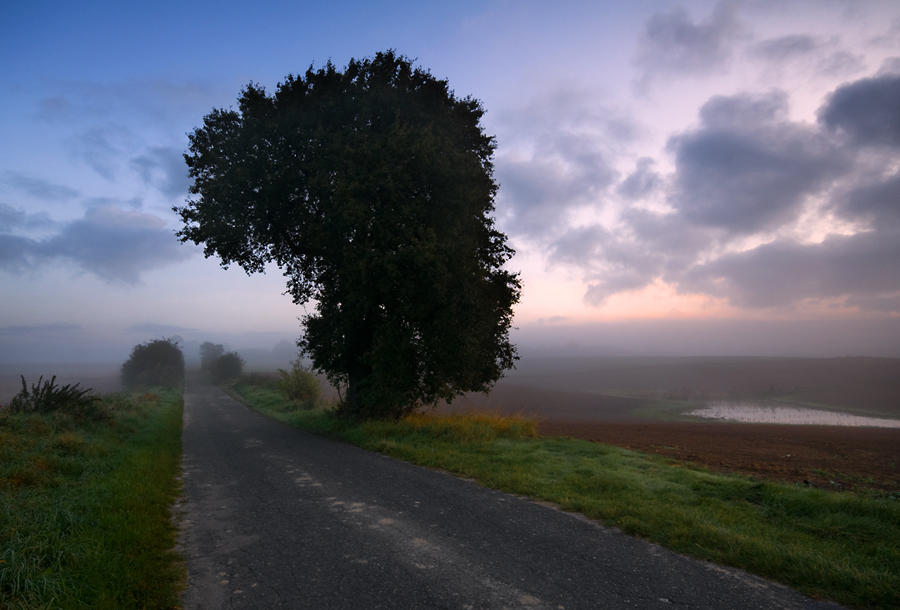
(830, 457)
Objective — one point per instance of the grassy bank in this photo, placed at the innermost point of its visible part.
(828, 545)
(84, 506)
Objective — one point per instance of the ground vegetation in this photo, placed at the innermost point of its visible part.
(85, 517)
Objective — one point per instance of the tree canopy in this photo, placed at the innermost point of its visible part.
(372, 189)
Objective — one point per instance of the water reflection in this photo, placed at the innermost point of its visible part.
(760, 413)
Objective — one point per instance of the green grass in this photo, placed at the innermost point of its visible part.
(836, 546)
(84, 507)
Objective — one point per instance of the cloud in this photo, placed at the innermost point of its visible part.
(761, 211)
(93, 147)
(674, 44)
(165, 169)
(115, 245)
(40, 188)
(747, 168)
(867, 111)
(784, 48)
(642, 183)
(12, 219)
(785, 272)
(558, 157)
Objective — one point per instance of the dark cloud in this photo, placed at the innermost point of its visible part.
(40, 188)
(784, 48)
(867, 110)
(876, 203)
(673, 43)
(165, 169)
(749, 174)
(11, 218)
(747, 169)
(642, 183)
(16, 253)
(785, 272)
(115, 245)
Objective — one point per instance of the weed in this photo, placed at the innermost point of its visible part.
(47, 397)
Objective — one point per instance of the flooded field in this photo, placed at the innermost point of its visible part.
(762, 413)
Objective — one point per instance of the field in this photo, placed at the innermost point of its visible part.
(636, 403)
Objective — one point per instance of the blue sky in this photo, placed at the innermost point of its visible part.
(722, 176)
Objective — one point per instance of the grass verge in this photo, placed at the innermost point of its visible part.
(830, 545)
(84, 506)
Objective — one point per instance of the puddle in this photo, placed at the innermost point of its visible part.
(758, 413)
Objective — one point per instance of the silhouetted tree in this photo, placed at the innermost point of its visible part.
(208, 353)
(227, 367)
(372, 189)
(155, 363)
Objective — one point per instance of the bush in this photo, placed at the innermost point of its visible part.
(227, 367)
(155, 363)
(50, 398)
(299, 384)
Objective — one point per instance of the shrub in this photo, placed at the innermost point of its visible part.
(299, 384)
(227, 367)
(155, 363)
(50, 398)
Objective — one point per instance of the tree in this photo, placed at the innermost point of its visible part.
(372, 189)
(155, 363)
(208, 353)
(227, 367)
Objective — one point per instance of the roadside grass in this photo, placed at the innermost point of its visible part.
(85, 506)
(829, 545)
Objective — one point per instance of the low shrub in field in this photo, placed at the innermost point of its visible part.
(299, 384)
(47, 397)
(156, 363)
(226, 368)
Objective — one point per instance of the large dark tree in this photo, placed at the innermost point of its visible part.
(372, 188)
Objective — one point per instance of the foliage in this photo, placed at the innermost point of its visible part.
(826, 544)
(84, 506)
(372, 189)
(208, 353)
(299, 384)
(50, 398)
(156, 363)
(226, 368)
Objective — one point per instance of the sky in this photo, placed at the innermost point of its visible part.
(683, 178)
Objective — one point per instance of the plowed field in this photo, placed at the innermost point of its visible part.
(830, 457)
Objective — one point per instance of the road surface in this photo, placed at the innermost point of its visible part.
(277, 518)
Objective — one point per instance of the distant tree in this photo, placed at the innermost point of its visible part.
(208, 353)
(372, 189)
(156, 363)
(227, 367)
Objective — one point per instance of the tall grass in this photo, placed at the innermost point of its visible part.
(829, 545)
(84, 506)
